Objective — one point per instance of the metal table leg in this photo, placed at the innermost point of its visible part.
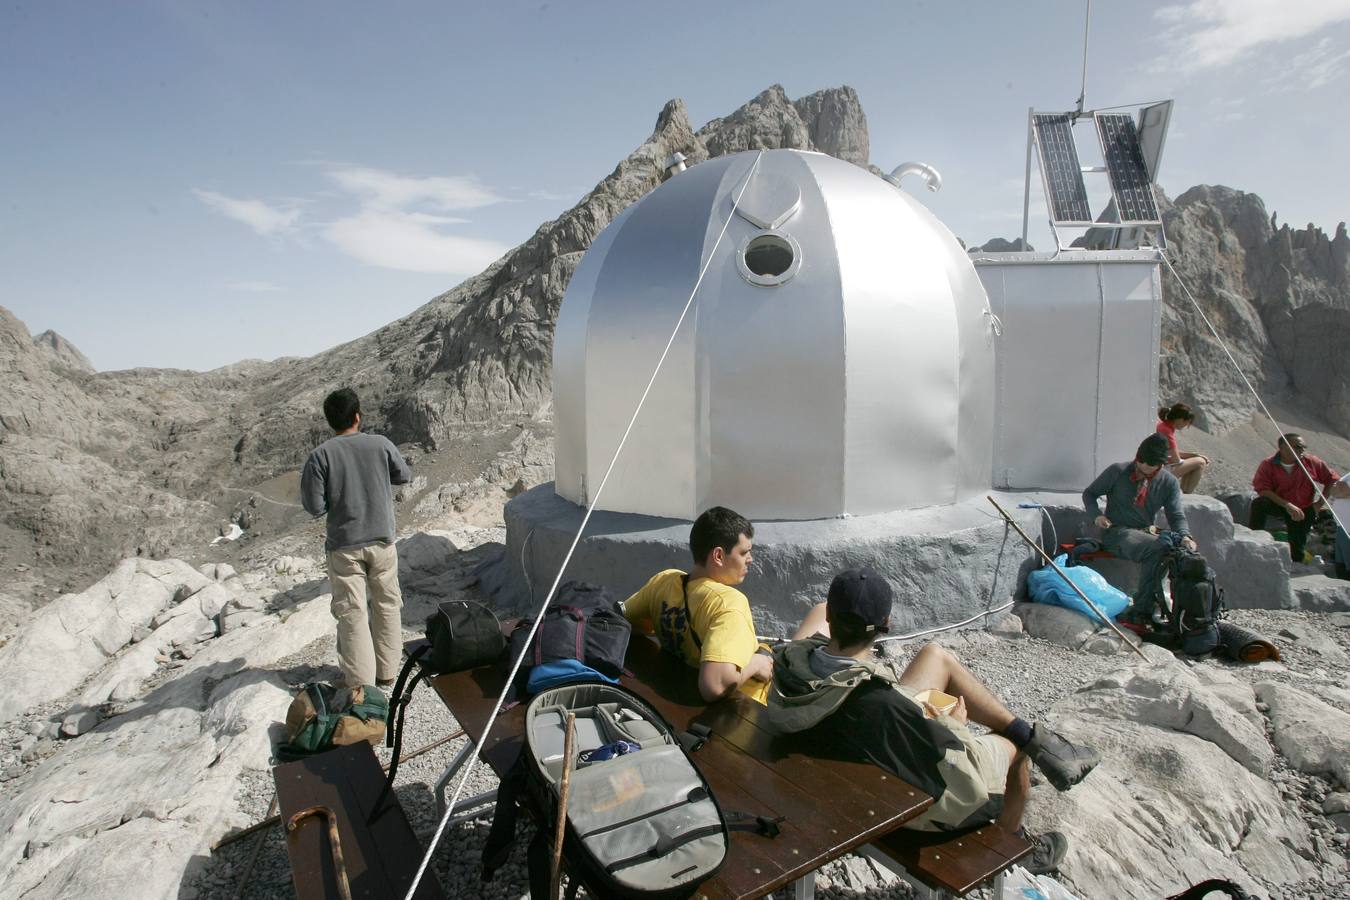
(441, 783)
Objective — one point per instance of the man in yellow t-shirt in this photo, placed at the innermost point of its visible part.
(701, 617)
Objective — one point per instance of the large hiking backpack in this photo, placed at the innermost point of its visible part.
(1197, 603)
(583, 637)
(322, 717)
(641, 820)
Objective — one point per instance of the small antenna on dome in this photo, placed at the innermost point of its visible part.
(1082, 91)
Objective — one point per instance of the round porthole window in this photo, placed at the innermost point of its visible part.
(769, 258)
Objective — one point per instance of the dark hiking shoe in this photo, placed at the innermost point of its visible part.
(1047, 851)
(385, 685)
(1063, 762)
(1137, 615)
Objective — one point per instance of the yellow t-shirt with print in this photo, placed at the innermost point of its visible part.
(715, 627)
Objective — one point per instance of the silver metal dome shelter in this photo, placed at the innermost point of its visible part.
(839, 358)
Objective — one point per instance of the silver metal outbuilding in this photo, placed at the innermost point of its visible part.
(1077, 362)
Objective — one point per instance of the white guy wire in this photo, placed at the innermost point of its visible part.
(978, 615)
(1298, 459)
(539, 617)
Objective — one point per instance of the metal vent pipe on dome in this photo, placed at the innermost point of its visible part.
(838, 359)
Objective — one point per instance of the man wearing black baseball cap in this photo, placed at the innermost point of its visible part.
(916, 725)
(1134, 493)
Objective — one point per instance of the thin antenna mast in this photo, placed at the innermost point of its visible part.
(1082, 93)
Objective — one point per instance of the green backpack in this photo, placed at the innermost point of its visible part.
(322, 717)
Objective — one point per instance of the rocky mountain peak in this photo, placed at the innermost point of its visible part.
(1277, 296)
(63, 352)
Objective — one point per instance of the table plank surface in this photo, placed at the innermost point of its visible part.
(380, 856)
(831, 806)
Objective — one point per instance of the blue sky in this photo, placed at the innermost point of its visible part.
(191, 184)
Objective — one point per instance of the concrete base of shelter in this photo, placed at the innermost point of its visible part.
(947, 563)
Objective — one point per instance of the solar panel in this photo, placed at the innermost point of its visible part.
(1130, 184)
(1060, 170)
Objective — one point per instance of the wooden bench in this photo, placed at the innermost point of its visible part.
(832, 806)
(338, 790)
(945, 864)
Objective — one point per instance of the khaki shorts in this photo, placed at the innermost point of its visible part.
(990, 754)
(976, 780)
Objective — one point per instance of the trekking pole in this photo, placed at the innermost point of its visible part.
(1077, 590)
(555, 873)
(334, 844)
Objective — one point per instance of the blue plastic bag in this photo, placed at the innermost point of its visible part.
(1045, 585)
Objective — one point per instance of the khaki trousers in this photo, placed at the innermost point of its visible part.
(369, 636)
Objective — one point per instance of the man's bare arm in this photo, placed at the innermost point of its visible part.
(719, 679)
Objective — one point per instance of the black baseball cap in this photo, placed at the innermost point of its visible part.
(863, 594)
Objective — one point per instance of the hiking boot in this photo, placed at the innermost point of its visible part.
(1063, 762)
(1047, 851)
(385, 685)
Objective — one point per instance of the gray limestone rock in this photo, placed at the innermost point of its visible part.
(1336, 803)
(38, 749)
(78, 722)
(1168, 695)
(1056, 624)
(167, 776)
(1279, 294)
(1315, 641)
(1008, 626)
(74, 636)
(1162, 806)
(1320, 593)
(1311, 734)
(62, 352)
(232, 621)
(424, 562)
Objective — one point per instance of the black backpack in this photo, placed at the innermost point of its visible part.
(461, 634)
(582, 628)
(1197, 603)
(641, 820)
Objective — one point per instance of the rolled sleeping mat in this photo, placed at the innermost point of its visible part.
(1246, 646)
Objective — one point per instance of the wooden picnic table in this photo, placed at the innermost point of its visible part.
(831, 805)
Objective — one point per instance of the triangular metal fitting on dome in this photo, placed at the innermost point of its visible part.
(769, 200)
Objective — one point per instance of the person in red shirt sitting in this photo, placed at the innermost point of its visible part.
(1187, 466)
(1283, 489)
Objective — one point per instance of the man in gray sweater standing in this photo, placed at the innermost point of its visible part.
(1134, 493)
(349, 477)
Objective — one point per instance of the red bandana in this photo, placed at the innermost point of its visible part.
(1135, 475)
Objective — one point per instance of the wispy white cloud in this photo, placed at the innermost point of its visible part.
(1208, 34)
(253, 287)
(380, 218)
(401, 219)
(379, 189)
(410, 241)
(264, 218)
(1320, 65)
(552, 196)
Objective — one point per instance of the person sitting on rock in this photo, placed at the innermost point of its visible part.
(700, 617)
(1134, 493)
(830, 689)
(1283, 489)
(349, 477)
(1188, 467)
